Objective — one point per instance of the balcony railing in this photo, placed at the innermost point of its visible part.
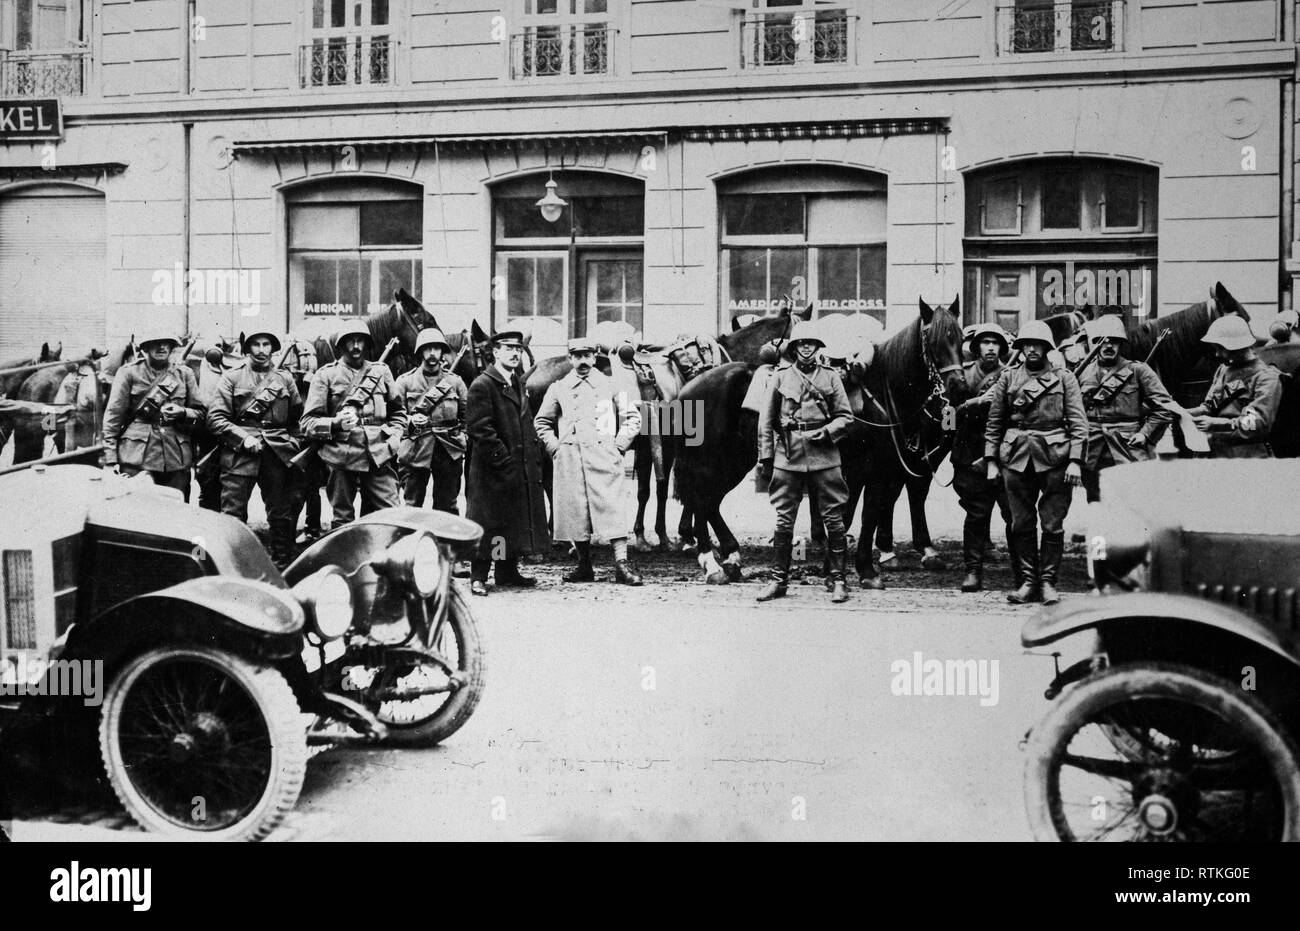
(780, 40)
(347, 61)
(43, 74)
(1044, 26)
(555, 51)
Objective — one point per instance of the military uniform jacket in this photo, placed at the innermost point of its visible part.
(79, 432)
(231, 420)
(1255, 389)
(446, 417)
(799, 404)
(375, 441)
(1126, 398)
(143, 441)
(968, 444)
(586, 425)
(1036, 418)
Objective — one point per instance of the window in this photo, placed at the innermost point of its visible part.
(47, 55)
(563, 38)
(1047, 235)
(586, 267)
(824, 243)
(1061, 200)
(1122, 206)
(1054, 26)
(351, 44)
(352, 246)
(797, 32)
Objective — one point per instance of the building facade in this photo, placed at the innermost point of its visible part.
(223, 164)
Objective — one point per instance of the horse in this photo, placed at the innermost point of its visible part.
(9, 384)
(1285, 438)
(916, 373)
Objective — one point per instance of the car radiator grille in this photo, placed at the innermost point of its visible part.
(1278, 606)
(20, 600)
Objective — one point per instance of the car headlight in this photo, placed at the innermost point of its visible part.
(415, 560)
(327, 599)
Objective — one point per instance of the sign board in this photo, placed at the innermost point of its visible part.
(30, 120)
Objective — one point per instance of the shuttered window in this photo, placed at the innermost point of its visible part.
(53, 269)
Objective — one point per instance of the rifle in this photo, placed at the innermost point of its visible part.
(358, 397)
(261, 398)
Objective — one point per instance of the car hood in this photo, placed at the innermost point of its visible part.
(1252, 496)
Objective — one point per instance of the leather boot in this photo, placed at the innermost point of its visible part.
(624, 574)
(507, 575)
(1017, 570)
(281, 543)
(1049, 566)
(584, 571)
(784, 544)
(1027, 557)
(973, 557)
(839, 568)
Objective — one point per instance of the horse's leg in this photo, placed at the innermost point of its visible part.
(708, 559)
(661, 514)
(643, 467)
(873, 503)
(918, 489)
(728, 546)
(884, 527)
(686, 529)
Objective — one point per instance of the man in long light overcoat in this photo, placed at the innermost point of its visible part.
(586, 425)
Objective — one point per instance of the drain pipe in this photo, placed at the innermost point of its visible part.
(187, 131)
(1287, 226)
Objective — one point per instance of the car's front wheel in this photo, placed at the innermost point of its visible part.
(200, 743)
(1200, 760)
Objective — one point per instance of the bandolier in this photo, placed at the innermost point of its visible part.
(1241, 406)
(433, 446)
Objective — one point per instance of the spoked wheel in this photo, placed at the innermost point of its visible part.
(201, 743)
(1161, 753)
(422, 699)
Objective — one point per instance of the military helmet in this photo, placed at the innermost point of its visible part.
(431, 337)
(980, 330)
(1231, 332)
(806, 331)
(248, 338)
(158, 335)
(1108, 325)
(353, 328)
(1034, 330)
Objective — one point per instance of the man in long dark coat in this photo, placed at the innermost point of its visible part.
(504, 492)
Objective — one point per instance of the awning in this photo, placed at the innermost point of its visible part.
(62, 170)
(838, 129)
(850, 129)
(450, 141)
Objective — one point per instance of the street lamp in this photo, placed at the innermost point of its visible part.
(551, 204)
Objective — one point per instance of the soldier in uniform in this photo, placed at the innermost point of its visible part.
(359, 446)
(434, 444)
(1034, 439)
(254, 414)
(152, 407)
(1241, 406)
(504, 492)
(79, 431)
(586, 425)
(1126, 403)
(207, 464)
(976, 492)
(805, 415)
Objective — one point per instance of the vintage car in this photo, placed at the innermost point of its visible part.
(1181, 718)
(208, 670)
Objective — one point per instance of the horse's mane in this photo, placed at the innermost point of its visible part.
(1186, 327)
(898, 359)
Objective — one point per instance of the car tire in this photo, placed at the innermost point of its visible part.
(1086, 703)
(262, 704)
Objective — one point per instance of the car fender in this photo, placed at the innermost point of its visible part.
(356, 543)
(243, 614)
(1062, 620)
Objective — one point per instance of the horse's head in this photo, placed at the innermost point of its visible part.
(744, 343)
(51, 355)
(941, 332)
(1222, 303)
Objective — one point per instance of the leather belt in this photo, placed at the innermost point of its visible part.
(1041, 427)
(806, 426)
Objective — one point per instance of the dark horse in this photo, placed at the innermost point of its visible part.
(915, 374)
(402, 320)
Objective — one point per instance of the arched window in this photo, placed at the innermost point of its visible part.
(815, 233)
(351, 245)
(567, 275)
(1045, 236)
